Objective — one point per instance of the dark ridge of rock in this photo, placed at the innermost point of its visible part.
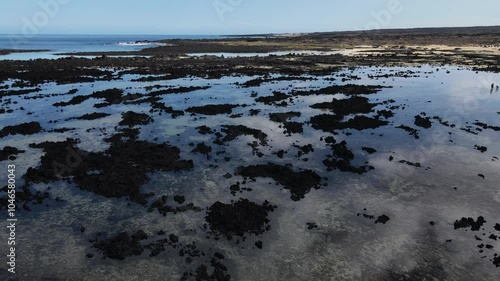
(8, 151)
(21, 129)
(173, 238)
(443, 122)
(341, 159)
(382, 219)
(202, 148)
(254, 112)
(348, 90)
(53, 164)
(232, 132)
(23, 196)
(369, 150)
(92, 116)
(470, 223)
(139, 235)
(204, 130)
(303, 150)
(179, 199)
(73, 101)
(290, 127)
(366, 216)
(163, 208)
(423, 122)
(111, 96)
(352, 105)
(496, 261)
(486, 126)
(61, 130)
(280, 153)
(234, 116)
(418, 165)
(259, 81)
(385, 113)
(330, 140)
(121, 246)
(283, 117)
(259, 244)
(298, 183)
(470, 129)
(132, 119)
(161, 107)
(151, 78)
(234, 188)
(481, 176)
(213, 109)
(179, 90)
(59, 71)
(326, 122)
(274, 99)
(311, 225)
(331, 123)
(118, 172)
(497, 227)
(159, 246)
(413, 132)
(148, 157)
(218, 272)
(483, 149)
(19, 92)
(340, 150)
(293, 128)
(239, 218)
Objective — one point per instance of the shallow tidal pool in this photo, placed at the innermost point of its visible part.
(366, 174)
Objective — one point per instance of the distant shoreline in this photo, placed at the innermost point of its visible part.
(323, 41)
(12, 51)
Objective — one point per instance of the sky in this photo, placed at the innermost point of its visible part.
(206, 17)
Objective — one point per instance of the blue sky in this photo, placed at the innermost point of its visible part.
(237, 16)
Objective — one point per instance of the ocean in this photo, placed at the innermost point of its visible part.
(55, 44)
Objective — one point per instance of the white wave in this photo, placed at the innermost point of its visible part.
(138, 43)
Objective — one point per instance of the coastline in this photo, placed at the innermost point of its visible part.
(372, 160)
(13, 51)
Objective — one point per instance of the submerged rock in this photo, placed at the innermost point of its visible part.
(382, 219)
(298, 183)
(118, 172)
(21, 129)
(413, 132)
(8, 151)
(213, 109)
(121, 246)
(239, 218)
(331, 123)
(483, 149)
(470, 223)
(274, 99)
(132, 119)
(424, 122)
(232, 132)
(353, 105)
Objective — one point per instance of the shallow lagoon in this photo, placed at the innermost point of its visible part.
(345, 245)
